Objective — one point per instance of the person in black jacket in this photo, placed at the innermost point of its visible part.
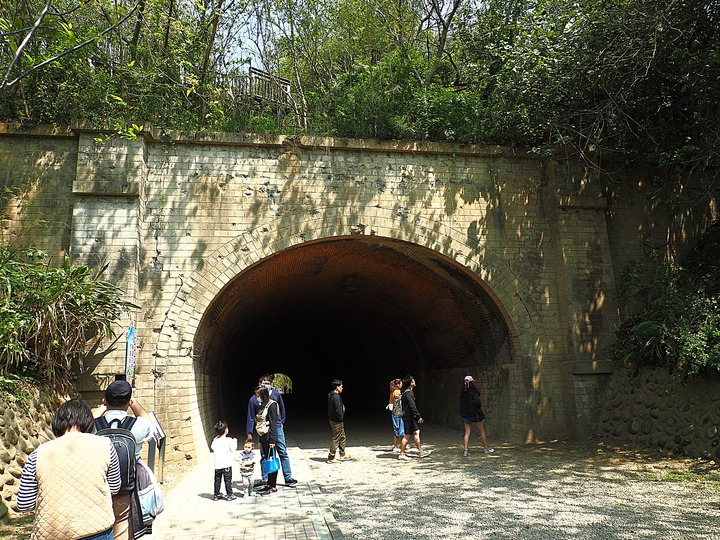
(411, 419)
(269, 439)
(471, 413)
(336, 414)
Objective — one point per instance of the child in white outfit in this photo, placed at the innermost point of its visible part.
(223, 448)
(247, 468)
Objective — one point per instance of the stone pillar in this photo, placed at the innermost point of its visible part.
(108, 189)
(587, 310)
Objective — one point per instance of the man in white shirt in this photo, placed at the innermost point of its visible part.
(118, 399)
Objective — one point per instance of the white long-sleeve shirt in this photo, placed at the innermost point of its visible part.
(224, 451)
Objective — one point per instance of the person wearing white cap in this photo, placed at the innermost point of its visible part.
(471, 413)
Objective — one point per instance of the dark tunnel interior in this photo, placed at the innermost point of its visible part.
(361, 309)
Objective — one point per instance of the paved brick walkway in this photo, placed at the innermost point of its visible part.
(297, 513)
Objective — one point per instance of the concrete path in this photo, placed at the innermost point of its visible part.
(297, 513)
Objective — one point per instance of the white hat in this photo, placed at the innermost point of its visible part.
(469, 378)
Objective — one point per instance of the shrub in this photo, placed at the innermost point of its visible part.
(677, 323)
(48, 315)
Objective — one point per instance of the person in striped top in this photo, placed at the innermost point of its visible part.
(69, 481)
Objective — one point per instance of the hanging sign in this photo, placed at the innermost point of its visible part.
(131, 355)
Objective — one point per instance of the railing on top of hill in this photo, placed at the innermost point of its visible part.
(258, 85)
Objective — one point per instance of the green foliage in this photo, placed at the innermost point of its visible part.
(677, 324)
(638, 77)
(282, 382)
(48, 315)
(14, 388)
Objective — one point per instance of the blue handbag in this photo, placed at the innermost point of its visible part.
(270, 464)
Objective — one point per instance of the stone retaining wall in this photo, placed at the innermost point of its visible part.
(24, 425)
(654, 408)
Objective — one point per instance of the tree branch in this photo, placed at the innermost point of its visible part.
(5, 85)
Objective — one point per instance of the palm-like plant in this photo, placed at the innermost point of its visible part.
(48, 315)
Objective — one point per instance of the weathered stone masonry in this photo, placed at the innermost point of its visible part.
(183, 218)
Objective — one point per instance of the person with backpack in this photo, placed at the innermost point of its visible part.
(411, 419)
(69, 481)
(396, 414)
(266, 427)
(117, 401)
(281, 446)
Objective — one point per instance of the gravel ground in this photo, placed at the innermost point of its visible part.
(593, 489)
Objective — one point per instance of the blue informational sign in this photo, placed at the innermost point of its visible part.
(131, 355)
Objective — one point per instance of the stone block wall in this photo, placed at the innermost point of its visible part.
(37, 170)
(657, 409)
(24, 425)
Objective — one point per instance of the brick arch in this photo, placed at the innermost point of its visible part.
(177, 339)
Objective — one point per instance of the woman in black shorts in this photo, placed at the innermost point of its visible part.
(472, 413)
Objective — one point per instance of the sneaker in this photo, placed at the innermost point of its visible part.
(218, 498)
(425, 453)
(404, 457)
(333, 460)
(396, 449)
(230, 498)
(345, 457)
(262, 488)
(268, 492)
(489, 450)
(291, 482)
(466, 453)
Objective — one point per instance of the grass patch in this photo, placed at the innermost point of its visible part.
(15, 389)
(701, 473)
(18, 528)
(710, 479)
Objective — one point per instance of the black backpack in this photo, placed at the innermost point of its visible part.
(125, 445)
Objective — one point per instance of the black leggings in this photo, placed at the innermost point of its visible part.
(272, 477)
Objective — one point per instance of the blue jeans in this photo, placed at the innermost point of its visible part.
(105, 535)
(281, 448)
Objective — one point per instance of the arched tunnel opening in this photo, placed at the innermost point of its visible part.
(363, 309)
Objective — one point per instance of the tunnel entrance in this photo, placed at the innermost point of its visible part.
(364, 309)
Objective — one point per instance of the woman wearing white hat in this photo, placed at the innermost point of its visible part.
(471, 413)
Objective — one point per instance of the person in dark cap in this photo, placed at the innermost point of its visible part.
(471, 413)
(117, 401)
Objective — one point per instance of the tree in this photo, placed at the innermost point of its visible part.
(31, 43)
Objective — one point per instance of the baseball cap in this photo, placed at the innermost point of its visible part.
(469, 378)
(118, 391)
